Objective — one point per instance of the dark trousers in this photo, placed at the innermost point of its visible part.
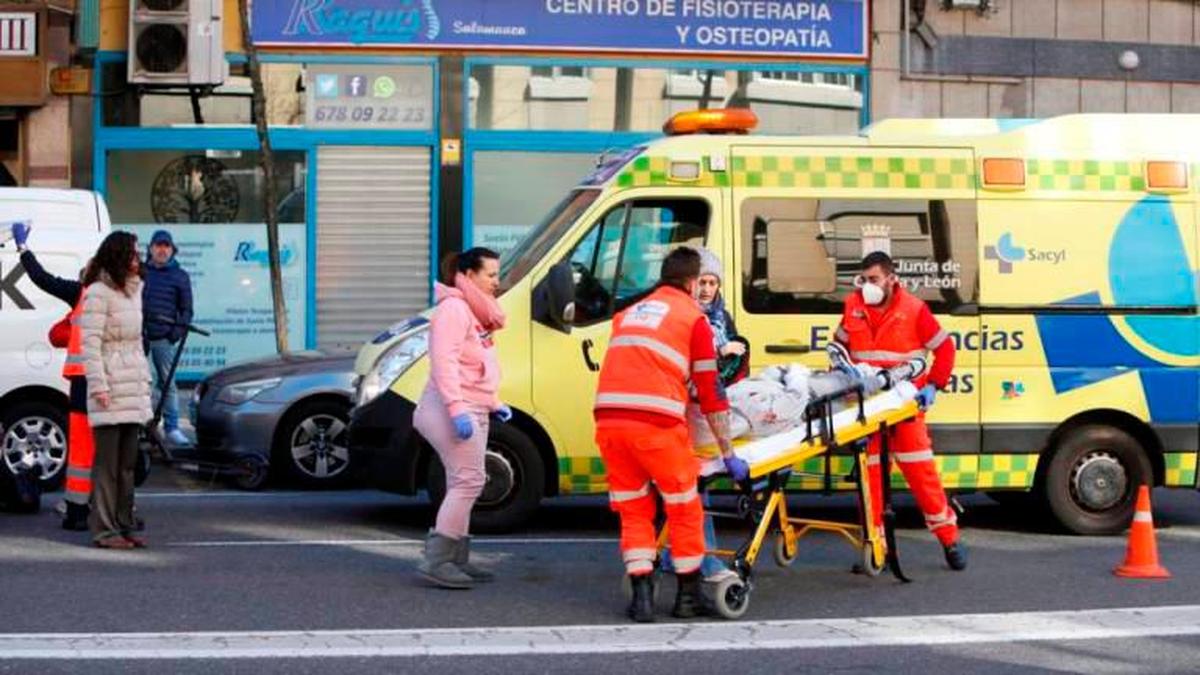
(112, 480)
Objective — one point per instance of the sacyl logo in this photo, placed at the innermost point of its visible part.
(1006, 253)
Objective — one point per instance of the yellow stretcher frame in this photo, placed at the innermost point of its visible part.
(731, 596)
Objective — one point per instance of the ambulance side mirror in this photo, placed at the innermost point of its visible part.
(554, 298)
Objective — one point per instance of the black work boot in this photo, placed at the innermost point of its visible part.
(76, 517)
(956, 556)
(641, 605)
(689, 601)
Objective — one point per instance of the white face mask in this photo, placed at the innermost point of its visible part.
(873, 294)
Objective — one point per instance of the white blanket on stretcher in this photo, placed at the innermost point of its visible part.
(780, 444)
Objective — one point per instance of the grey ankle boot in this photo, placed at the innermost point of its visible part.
(462, 559)
(439, 567)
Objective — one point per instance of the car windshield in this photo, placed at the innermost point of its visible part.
(518, 260)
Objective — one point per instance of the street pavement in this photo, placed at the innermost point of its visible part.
(296, 582)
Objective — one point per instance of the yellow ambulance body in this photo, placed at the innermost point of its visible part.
(1060, 253)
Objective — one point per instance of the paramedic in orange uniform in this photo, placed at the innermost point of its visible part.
(658, 345)
(884, 325)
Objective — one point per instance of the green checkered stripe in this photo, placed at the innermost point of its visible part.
(1180, 469)
(586, 475)
(916, 173)
(646, 171)
(581, 475)
(1087, 175)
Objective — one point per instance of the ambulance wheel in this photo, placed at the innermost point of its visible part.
(34, 433)
(1092, 479)
(782, 557)
(514, 484)
(731, 598)
(869, 567)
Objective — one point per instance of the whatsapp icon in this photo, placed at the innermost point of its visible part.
(384, 87)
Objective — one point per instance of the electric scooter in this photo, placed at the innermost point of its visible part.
(249, 472)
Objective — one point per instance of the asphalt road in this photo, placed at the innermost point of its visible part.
(329, 574)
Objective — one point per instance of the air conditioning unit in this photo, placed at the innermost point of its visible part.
(980, 5)
(176, 42)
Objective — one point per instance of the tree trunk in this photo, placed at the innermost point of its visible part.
(258, 110)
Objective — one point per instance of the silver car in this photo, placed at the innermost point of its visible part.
(290, 410)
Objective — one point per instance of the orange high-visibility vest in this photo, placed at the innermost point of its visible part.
(893, 341)
(74, 364)
(648, 363)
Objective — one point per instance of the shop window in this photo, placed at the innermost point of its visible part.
(620, 258)
(211, 203)
(804, 102)
(802, 256)
(514, 190)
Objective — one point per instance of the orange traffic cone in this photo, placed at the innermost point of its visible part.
(1141, 557)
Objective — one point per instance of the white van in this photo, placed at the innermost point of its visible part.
(68, 226)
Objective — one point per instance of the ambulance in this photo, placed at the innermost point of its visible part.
(1061, 254)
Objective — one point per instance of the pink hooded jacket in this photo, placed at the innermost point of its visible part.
(463, 365)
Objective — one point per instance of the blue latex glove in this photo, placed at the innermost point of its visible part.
(20, 233)
(737, 467)
(926, 396)
(503, 413)
(463, 426)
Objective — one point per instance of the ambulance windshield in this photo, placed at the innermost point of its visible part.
(517, 261)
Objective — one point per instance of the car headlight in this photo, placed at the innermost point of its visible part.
(392, 364)
(236, 394)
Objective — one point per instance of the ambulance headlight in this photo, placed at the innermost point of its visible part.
(393, 363)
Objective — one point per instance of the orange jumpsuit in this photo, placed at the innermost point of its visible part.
(658, 345)
(886, 336)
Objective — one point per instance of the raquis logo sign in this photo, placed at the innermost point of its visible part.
(400, 21)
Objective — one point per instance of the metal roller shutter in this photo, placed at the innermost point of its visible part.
(373, 240)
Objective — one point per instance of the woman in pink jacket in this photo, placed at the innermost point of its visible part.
(458, 399)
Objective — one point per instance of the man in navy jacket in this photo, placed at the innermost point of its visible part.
(166, 308)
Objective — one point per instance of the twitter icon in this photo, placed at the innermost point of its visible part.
(327, 85)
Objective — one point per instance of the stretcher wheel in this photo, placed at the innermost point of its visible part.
(869, 567)
(780, 551)
(731, 598)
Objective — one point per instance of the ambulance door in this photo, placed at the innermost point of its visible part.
(615, 260)
(805, 217)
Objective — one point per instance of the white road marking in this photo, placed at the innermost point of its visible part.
(895, 631)
(496, 541)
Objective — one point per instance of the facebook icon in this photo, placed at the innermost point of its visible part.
(356, 85)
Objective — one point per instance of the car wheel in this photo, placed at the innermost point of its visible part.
(312, 443)
(1093, 477)
(35, 435)
(515, 481)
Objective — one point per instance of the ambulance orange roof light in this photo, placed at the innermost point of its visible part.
(717, 121)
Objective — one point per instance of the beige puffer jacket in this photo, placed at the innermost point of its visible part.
(111, 326)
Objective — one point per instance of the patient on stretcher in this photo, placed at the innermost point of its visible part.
(769, 410)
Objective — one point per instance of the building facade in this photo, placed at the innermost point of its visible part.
(404, 129)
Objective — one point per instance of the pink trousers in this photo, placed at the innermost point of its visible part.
(464, 461)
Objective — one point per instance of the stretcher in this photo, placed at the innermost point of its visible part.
(844, 418)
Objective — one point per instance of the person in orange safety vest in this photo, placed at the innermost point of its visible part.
(884, 325)
(79, 432)
(659, 345)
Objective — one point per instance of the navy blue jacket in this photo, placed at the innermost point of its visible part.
(167, 293)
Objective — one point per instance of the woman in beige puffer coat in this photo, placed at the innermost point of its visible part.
(118, 378)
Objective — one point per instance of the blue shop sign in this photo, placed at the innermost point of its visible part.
(813, 28)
